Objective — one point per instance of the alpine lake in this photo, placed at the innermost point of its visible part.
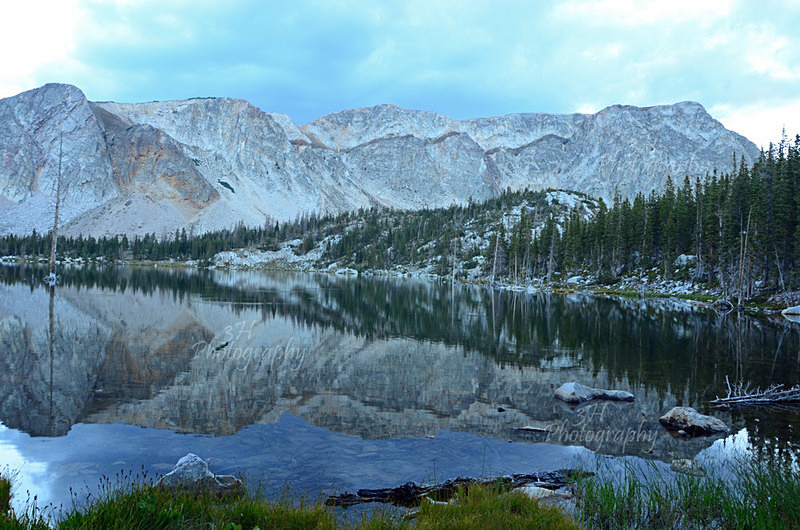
(324, 384)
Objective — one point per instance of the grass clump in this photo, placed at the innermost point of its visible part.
(488, 507)
(137, 504)
(5, 496)
(757, 495)
(770, 493)
(650, 503)
(9, 520)
(147, 506)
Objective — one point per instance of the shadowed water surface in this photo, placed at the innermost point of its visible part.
(330, 384)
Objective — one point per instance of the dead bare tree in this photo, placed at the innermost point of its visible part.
(51, 279)
(743, 394)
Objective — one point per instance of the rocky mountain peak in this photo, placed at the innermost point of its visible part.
(350, 128)
(41, 129)
(209, 163)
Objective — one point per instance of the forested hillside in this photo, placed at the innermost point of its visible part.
(375, 238)
(738, 232)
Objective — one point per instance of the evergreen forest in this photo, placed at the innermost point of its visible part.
(736, 231)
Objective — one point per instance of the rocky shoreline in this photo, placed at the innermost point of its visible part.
(648, 285)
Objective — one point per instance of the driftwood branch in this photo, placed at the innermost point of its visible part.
(743, 394)
(411, 494)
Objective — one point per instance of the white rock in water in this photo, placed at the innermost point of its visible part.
(577, 393)
(692, 422)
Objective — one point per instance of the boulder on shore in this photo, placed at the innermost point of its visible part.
(575, 393)
(692, 422)
(191, 474)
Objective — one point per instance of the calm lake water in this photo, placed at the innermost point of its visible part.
(330, 384)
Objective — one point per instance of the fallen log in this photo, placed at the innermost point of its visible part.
(410, 494)
(743, 394)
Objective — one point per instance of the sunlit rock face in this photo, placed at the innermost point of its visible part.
(40, 130)
(208, 163)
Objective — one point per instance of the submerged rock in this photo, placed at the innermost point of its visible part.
(191, 473)
(687, 466)
(577, 393)
(692, 422)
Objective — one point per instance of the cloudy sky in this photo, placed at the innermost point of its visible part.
(461, 58)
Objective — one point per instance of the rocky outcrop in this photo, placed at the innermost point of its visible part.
(38, 130)
(191, 474)
(208, 163)
(575, 393)
(691, 422)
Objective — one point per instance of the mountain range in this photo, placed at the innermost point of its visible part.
(208, 163)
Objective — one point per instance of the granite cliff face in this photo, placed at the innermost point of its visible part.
(34, 128)
(207, 163)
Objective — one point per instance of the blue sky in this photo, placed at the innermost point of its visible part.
(464, 59)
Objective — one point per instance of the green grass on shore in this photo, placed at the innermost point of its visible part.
(9, 520)
(755, 495)
(490, 507)
(144, 506)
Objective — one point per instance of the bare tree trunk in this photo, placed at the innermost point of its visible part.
(550, 257)
(780, 276)
(52, 354)
(743, 257)
(496, 247)
(51, 279)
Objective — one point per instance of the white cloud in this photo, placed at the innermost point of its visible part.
(33, 33)
(771, 55)
(761, 123)
(606, 52)
(463, 59)
(637, 12)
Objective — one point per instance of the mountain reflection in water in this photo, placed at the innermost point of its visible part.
(214, 352)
